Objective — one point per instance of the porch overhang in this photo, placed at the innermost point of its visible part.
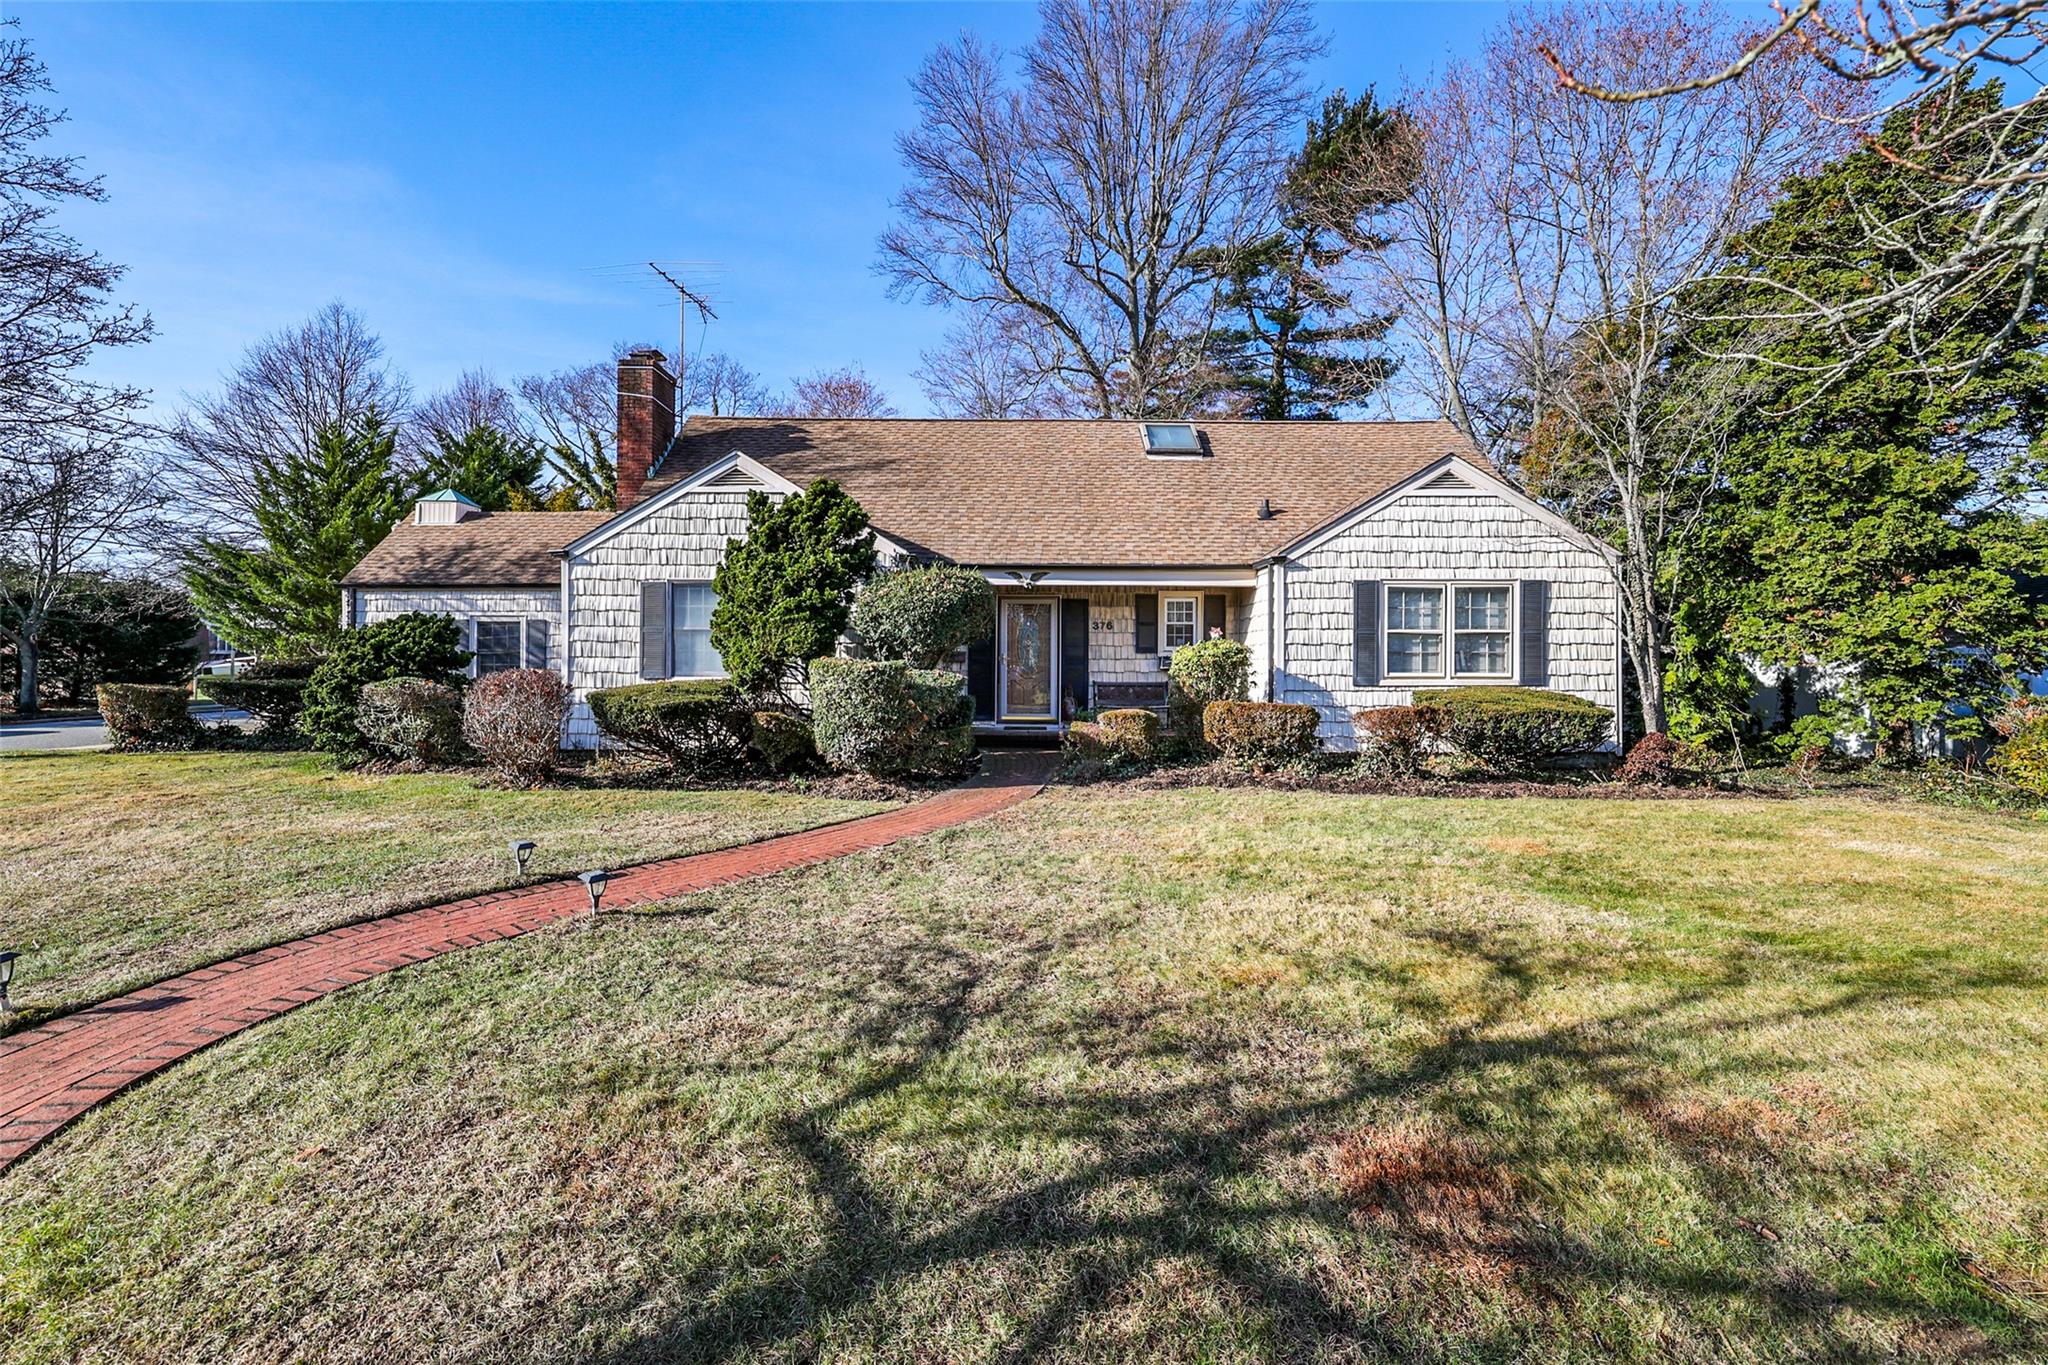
(1168, 576)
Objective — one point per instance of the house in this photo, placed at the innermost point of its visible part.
(1357, 560)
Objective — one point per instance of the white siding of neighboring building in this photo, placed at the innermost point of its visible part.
(1441, 537)
(680, 543)
(371, 605)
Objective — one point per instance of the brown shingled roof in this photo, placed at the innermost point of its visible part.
(1011, 493)
(508, 549)
(1077, 493)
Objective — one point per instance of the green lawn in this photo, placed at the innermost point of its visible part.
(117, 870)
(1186, 1075)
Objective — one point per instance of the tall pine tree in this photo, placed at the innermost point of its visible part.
(1878, 514)
(1292, 346)
(495, 469)
(318, 513)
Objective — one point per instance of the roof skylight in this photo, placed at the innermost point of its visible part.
(1178, 439)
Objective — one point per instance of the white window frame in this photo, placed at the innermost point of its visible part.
(1449, 630)
(476, 660)
(670, 645)
(1195, 630)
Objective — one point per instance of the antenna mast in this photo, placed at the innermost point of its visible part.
(685, 300)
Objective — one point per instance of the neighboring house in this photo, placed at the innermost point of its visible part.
(1357, 560)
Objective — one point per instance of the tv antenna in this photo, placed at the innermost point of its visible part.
(669, 275)
(686, 299)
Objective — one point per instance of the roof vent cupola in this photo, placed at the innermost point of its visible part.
(444, 508)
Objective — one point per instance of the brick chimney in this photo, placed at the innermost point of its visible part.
(647, 419)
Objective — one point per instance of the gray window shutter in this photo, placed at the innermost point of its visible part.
(1365, 633)
(1147, 641)
(536, 642)
(1074, 651)
(1535, 632)
(653, 631)
(1215, 614)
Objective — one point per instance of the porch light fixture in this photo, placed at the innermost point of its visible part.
(522, 850)
(6, 976)
(593, 882)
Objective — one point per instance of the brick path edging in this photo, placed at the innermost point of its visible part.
(51, 1074)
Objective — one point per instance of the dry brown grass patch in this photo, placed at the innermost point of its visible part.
(1436, 1195)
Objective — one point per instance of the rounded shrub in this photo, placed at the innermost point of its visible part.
(415, 645)
(1086, 740)
(698, 727)
(921, 616)
(1131, 732)
(513, 720)
(784, 742)
(147, 715)
(1200, 673)
(885, 718)
(411, 719)
(1262, 734)
(1652, 761)
(1393, 740)
(2023, 759)
(1510, 728)
(273, 692)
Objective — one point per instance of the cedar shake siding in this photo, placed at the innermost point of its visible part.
(1072, 511)
(681, 542)
(1476, 537)
(468, 605)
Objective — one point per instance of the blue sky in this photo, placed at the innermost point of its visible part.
(457, 172)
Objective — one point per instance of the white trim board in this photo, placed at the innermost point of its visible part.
(1121, 578)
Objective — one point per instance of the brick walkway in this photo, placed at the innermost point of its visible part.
(51, 1074)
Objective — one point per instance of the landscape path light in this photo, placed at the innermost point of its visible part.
(7, 961)
(522, 849)
(593, 882)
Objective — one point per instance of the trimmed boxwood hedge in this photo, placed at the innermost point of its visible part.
(275, 702)
(1209, 670)
(147, 715)
(1262, 733)
(890, 720)
(411, 719)
(1511, 728)
(697, 726)
(922, 615)
(1131, 732)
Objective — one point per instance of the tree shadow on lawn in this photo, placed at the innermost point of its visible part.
(1454, 1253)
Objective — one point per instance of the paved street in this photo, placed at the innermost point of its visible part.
(89, 732)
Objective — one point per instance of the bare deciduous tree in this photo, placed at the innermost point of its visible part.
(986, 368)
(719, 385)
(575, 416)
(54, 306)
(328, 370)
(836, 393)
(1897, 55)
(91, 494)
(1540, 258)
(1091, 200)
(474, 400)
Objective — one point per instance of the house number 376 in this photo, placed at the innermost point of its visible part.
(1098, 624)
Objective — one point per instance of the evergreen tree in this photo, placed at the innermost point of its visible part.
(1876, 519)
(785, 591)
(318, 513)
(1294, 346)
(495, 469)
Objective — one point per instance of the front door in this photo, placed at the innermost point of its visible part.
(1027, 663)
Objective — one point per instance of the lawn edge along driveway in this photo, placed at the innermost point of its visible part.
(51, 1074)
